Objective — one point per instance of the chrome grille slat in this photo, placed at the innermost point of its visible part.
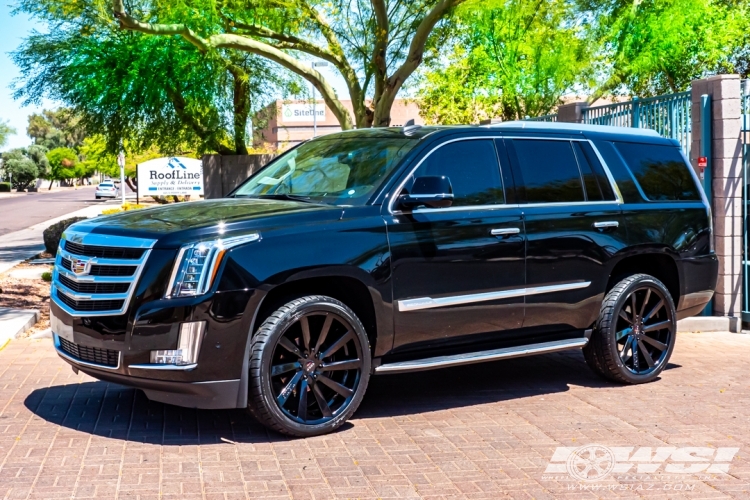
(96, 283)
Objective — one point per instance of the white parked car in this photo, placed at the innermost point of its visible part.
(106, 189)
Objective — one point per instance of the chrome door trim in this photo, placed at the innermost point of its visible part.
(421, 303)
(606, 224)
(482, 356)
(505, 231)
(615, 189)
(63, 354)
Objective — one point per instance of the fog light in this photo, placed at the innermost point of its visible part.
(188, 346)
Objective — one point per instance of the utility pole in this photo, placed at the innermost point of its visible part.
(121, 163)
(320, 64)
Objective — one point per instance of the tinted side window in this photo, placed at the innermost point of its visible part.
(660, 171)
(545, 171)
(590, 182)
(596, 166)
(472, 168)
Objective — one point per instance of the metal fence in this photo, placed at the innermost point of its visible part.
(745, 110)
(669, 115)
(544, 118)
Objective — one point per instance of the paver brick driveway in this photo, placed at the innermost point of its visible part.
(481, 431)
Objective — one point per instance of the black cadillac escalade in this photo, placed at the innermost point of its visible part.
(392, 250)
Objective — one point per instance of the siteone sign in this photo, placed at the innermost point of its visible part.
(176, 175)
(303, 112)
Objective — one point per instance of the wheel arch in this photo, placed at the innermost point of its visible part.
(658, 263)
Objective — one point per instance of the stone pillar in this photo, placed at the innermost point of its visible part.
(571, 112)
(726, 170)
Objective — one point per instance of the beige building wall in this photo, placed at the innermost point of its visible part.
(287, 123)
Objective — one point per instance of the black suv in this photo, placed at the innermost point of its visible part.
(392, 250)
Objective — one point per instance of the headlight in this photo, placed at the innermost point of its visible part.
(197, 264)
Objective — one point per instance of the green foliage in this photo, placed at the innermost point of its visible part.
(654, 47)
(64, 164)
(5, 132)
(147, 91)
(4, 187)
(511, 59)
(56, 129)
(25, 165)
(47, 276)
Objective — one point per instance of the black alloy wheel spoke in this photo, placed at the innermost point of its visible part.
(289, 346)
(323, 333)
(657, 326)
(656, 308)
(322, 403)
(626, 352)
(288, 389)
(350, 364)
(344, 391)
(625, 316)
(305, 326)
(633, 308)
(659, 345)
(645, 301)
(302, 407)
(349, 335)
(646, 354)
(277, 370)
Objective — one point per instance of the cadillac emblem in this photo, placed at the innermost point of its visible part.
(81, 267)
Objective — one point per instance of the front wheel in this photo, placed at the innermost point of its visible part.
(635, 334)
(309, 367)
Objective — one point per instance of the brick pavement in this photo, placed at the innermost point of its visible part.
(481, 431)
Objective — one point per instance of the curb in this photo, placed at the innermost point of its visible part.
(699, 324)
(20, 321)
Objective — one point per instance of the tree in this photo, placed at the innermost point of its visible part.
(143, 90)
(654, 47)
(5, 132)
(60, 128)
(375, 45)
(22, 169)
(63, 165)
(511, 58)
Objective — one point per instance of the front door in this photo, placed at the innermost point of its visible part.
(458, 272)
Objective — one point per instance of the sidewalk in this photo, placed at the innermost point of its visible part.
(20, 245)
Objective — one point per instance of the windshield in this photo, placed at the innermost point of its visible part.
(335, 171)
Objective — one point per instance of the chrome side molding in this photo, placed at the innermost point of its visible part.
(606, 224)
(481, 357)
(430, 303)
(505, 231)
(155, 366)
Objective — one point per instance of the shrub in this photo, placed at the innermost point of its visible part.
(47, 276)
(123, 208)
(53, 234)
(4, 187)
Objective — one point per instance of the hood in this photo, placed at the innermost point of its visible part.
(170, 224)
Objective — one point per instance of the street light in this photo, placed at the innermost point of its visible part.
(320, 64)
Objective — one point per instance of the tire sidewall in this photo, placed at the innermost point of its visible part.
(321, 304)
(624, 296)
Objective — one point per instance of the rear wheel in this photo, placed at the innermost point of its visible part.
(635, 334)
(309, 367)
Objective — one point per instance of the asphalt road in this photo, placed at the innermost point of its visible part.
(27, 209)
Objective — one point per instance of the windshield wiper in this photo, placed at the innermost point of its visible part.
(281, 196)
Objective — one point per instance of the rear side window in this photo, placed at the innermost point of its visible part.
(545, 171)
(660, 171)
(472, 168)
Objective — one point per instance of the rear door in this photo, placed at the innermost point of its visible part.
(458, 272)
(573, 228)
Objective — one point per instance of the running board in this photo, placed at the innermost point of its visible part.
(481, 356)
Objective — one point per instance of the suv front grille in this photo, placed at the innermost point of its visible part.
(104, 270)
(89, 305)
(87, 287)
(104, 252)
(104, 357)
(95, 274)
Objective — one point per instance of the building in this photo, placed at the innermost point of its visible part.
(283, 124)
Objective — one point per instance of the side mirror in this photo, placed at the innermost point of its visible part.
(429, 191)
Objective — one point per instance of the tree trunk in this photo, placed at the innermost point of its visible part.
(241, 109)
(129, 182)
(50, 185)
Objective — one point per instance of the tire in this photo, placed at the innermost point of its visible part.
(98, 197)
(290, 388)
(652, 332)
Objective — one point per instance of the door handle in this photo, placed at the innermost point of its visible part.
(609, 224)
(505, 231)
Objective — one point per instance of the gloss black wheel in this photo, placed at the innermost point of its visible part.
(635, 334)
(309, 367)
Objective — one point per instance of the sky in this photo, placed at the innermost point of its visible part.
(14, 29)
